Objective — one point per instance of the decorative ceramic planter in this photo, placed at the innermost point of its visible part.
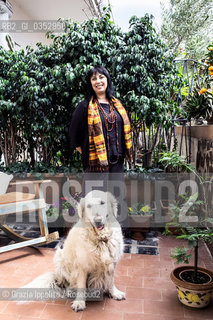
(138, 224)
(191, 294)
(140, 221)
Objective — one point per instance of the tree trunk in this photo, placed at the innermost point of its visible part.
(195, 261)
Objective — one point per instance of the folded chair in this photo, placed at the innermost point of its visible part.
(19, 202)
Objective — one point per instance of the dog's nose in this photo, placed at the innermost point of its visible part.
(97, 219)
(98, 222)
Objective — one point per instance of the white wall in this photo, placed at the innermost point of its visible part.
(34, 10)
(24, 38)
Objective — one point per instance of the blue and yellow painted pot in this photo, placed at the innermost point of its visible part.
(194, 299)
(191, 294)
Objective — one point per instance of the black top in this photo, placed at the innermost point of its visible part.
(112, 134)
(79, 136)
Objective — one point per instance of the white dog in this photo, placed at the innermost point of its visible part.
(91, 251)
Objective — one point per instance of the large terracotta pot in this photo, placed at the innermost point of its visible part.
(140, 221)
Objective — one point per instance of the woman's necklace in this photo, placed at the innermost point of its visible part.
(110, 118)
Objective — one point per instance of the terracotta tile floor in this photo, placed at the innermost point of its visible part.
(145, 279)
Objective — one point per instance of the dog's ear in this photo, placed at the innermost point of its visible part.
(81, 208)
(113, 203)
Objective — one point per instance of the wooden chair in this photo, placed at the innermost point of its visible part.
(19, 202)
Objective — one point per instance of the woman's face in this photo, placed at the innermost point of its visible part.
(99, 83)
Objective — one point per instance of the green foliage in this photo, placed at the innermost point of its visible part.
(38, 169)
(53, 212)
(40, 89)
(195, 234)
(187, 26)
(178, 209)
(209, 55)
(191, 230)
(192, 235)
(57, 209)
(180, 255)
(174, 162)
(140, 209)
(199, 104)
(144, 73)
(195, 46)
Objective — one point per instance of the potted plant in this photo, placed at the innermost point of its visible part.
(176, 167)
(139, 219)
(194, 284)
(173, 212)
(62, 214)
(173, 162)
(200, 103)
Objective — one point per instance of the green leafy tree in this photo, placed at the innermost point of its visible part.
(39, 89)
(187, 26)
(145, 77)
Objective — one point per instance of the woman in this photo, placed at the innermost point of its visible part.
(100, 128)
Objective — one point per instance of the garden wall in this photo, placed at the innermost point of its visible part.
(202, 153)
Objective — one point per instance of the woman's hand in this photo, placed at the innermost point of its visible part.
(79, 150)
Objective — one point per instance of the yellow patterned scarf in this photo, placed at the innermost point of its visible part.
(97, 147)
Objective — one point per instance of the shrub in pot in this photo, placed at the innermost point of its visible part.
(139, 219)
(200, 103)
(194, 284)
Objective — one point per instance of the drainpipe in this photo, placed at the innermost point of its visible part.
(98, 7)
(5, 14)
(94, 8)
(100, 4)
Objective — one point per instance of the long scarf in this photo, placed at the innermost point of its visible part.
(97, 146)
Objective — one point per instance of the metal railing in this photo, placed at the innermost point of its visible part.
(193, 71)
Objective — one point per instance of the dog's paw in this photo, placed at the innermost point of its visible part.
(117, 294)
(78, 305)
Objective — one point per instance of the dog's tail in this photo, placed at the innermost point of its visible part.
(45, 281)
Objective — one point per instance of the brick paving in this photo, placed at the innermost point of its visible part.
(150, 295)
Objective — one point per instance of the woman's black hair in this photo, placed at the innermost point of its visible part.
(90, 92)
